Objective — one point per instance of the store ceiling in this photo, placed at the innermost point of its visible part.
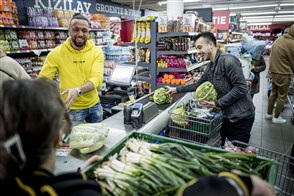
(276, 11)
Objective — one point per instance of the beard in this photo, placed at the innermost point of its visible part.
(79, 44)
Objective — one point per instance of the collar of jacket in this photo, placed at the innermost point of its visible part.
(218, 53)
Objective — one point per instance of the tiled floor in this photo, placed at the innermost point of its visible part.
(265, 134)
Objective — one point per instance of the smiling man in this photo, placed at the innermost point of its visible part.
(79, 64)
(225, 72)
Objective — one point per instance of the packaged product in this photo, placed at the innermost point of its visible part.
(23, 44)
(148, 33)
(143, 32)
(138, 36)
(14, 45)
(189, 22)
(162, 23)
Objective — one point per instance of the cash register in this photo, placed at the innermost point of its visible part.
(118, 87)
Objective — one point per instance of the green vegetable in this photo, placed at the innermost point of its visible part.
(206, 92)
(161, 96)
(179, 115)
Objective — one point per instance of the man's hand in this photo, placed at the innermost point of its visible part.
(171, 90)
(207, 104)
(90, 161)
(71, 97)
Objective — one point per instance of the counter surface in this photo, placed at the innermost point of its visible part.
(117, 131)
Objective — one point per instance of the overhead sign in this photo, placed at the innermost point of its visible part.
(260, 28)
(85, 6)
(221, 19)
(205, 13)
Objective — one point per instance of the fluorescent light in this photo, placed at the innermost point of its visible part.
(265, 23)
(283, 19)
(255, 13)
(284, 16)
(286, 12)
(287, 4)
(256, 17)
(217, 9)
(254, 6)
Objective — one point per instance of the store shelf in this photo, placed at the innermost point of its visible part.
(187, 69)
(33, 27)
(171, 52)
(37, 52)
(161, 85)
(141, 64)
(142, 78)
(176, 34)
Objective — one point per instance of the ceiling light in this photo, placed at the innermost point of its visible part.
(254, 6)
(254, 13)
(286, 12)
(265, 23)
(256, 17)
(281, 16)
(287, 4)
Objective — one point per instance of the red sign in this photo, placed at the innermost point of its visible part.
(259, 28)
(221, 19)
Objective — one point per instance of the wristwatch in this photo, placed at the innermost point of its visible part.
(79, 91)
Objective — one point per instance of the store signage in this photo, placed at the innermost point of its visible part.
(221, 19)
(259, 28)
(85, 6)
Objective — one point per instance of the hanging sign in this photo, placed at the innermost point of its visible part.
(259, 28)
(221, 19)
(85, 6)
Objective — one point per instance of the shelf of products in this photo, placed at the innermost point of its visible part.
(176, 34)
(187, 69)
(171, 52)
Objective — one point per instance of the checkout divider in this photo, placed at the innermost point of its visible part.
(117, 132)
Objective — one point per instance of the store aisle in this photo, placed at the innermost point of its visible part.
(276, 137)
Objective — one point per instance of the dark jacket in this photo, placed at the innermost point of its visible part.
(227, 77)
(258, 66)
(42, 182)
(282, 54)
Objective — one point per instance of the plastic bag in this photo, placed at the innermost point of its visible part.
(253, 46)
(86, 137)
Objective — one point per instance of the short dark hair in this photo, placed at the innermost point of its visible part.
(79, 16)
(208, 36)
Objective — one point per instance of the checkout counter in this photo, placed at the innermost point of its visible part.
(122, 123)
(118, 130)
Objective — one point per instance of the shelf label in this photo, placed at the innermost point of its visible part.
(17, 51)
(13, 26)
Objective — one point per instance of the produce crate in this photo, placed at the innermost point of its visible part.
(196, 129)
(159, 139)
(284, 178)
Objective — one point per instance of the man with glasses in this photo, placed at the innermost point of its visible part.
(80, 65)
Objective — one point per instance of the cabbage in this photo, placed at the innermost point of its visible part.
(206, 92)
(179, 115)
(161, 96)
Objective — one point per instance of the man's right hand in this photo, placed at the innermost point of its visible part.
(71, 97)
(171, 90)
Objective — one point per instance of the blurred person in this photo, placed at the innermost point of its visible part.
(118, 42)
(258, 65)
(31, 124)
(281, 68)
(226, 74)
(9, 68)
(79, 64)
(228, 184)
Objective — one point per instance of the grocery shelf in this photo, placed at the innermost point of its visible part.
(37, 52)
(187, 69)
(171, 52)
(32, 27)
(176, 34)
(161, 85)
(142, 78)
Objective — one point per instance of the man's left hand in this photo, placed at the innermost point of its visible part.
(207, 104)
(71, 97)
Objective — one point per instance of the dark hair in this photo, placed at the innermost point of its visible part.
(208, 36)
(33, 110)
(79, 17)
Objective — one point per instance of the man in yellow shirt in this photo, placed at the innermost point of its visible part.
(80, 65)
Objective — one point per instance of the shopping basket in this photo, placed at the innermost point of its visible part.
(195, 129)
(284, 179)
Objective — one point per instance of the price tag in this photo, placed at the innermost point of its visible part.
(22, 26)
(13, 26)
(17, 51)
(63, 151)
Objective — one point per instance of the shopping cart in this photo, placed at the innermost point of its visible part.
(290, 98)
(203, 130)
(284, 181)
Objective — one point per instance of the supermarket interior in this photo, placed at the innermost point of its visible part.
(164, 92)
